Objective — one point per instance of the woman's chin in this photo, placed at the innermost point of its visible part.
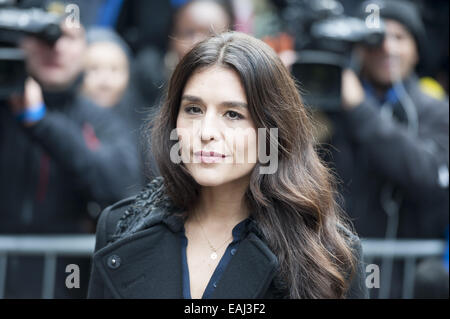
(209, 180)
(218, 174)
(210, 176)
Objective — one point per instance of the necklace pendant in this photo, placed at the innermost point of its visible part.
(213, 256)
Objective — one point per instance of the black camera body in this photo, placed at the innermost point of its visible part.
(15, 23)
(325, 38)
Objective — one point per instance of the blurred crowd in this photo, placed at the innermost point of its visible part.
(78, 139)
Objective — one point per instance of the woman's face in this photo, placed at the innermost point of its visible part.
(214, 117)
(106, 73)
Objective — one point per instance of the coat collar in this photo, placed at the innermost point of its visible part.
(143, 259)
(148, 265)
(150, 207)
(153, 206)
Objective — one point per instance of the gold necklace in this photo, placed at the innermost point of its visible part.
(213, 255)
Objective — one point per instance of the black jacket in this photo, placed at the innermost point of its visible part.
(77, 157)
(138, 255)
(376, 155)
(77, 154)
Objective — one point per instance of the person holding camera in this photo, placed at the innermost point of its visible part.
(60, 158)
(391, 141)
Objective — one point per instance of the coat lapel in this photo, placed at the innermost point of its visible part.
(249, 273)
(144, 265)
(148, 265)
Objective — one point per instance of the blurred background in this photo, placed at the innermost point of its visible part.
(80, 80)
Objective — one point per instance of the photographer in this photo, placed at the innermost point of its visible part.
(60, 157)
(391, 141)
(412, 156)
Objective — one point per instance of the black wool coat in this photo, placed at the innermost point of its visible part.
(138, 255)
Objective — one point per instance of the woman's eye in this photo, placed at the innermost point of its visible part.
(234, 115)
(192, 109)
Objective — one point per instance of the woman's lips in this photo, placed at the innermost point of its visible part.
(209, 156)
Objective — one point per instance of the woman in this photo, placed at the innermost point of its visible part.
(215, 224)
(106, 67)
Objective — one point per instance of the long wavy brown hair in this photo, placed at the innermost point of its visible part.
(295, 208)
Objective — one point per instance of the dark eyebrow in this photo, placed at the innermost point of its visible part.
(191, 98)
(195, 99)
(234, 104)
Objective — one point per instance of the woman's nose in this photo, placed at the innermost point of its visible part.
(209, 126)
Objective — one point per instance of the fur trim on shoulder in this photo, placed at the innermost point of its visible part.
(151, 206)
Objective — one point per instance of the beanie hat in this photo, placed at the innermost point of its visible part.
(101, 34)
(406, 13)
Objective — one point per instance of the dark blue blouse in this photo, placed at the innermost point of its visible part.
(238, 232)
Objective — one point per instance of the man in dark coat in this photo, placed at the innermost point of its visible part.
(391, 141)
(60, 157)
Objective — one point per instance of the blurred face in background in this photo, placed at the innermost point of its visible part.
(195, 22)
(397, 56)
(214, 117)
(106, 73)
(56, 67)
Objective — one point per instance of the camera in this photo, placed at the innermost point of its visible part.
(16, 22)
(324, 39)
